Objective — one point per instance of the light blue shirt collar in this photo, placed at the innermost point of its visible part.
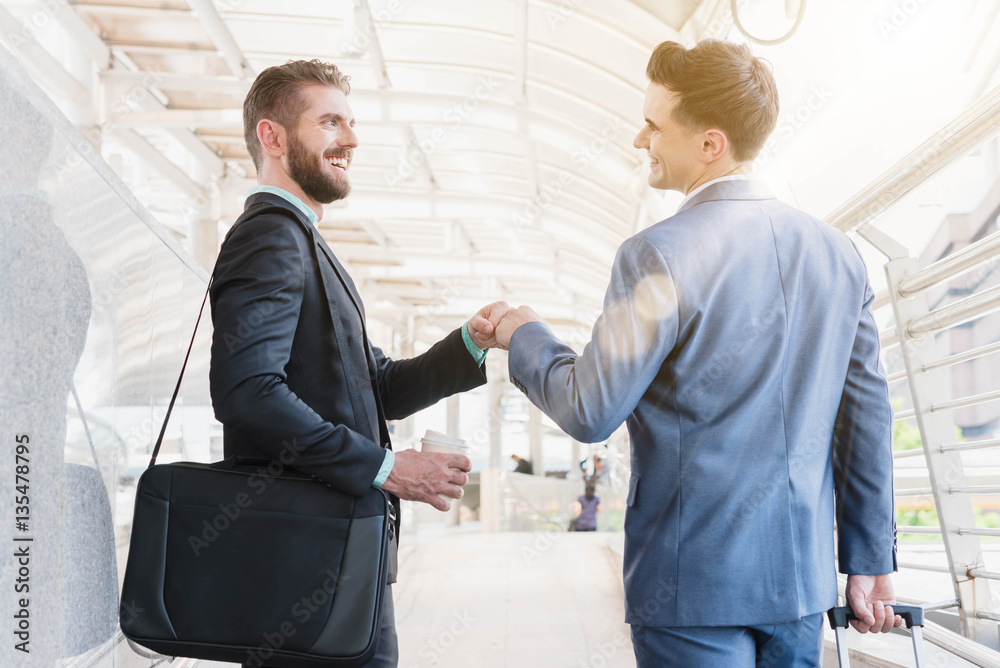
(288, 197)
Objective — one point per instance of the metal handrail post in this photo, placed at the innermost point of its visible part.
(927, 388)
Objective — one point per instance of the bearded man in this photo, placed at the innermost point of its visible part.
(278, 374)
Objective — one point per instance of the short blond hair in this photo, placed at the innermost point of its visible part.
(276, 95)
(719, 84)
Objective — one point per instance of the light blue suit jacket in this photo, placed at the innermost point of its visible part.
(737, 342)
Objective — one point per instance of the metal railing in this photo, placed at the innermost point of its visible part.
(912, 337)
(971, 129)
(933, 408)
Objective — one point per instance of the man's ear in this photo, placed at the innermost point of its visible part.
(271, 136)
(714, 145)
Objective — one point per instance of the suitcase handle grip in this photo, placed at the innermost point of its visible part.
(913, 615)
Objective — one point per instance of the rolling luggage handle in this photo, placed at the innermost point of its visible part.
(913, 618)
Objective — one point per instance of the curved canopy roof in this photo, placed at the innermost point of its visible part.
(495, 156)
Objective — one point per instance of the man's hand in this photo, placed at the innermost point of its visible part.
(869, 596)
(514, 318)
(482, 326)
(421, 476)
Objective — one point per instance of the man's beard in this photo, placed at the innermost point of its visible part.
(311, 176)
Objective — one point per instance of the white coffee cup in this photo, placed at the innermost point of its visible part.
(437, 442)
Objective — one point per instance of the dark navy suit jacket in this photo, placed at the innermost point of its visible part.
(737, 342)
(277, 381)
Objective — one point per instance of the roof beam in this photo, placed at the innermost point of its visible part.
(190, 83)
(363, 17)
(374, 231)
(45, 68)
(131, 140)
(584, 267)
(364, 22)
(165, 118)
(389, 102)
(130, 10)
(223, 39)
(521, 51)
(563, 220)
(568, 216)
(71, 21)
(152, 102)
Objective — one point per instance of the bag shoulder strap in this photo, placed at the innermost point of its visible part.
(357, 403)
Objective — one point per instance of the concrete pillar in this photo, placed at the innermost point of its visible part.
(204, 235)
(454, 516)
(495, 418)
(535, 440)
(203, 225)
(452, 415)
(490, 491)
(575, 457)
(404, 428)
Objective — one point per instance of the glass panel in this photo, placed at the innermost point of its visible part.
(98, 301)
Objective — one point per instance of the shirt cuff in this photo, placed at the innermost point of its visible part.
(477, 353)
(383, 473)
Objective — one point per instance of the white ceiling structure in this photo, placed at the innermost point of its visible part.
(495, 156)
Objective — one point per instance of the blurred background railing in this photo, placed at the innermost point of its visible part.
(940, 332)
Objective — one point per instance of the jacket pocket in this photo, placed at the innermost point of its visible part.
(633, 486)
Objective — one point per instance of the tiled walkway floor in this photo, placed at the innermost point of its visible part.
(509, 600)
(530, 600)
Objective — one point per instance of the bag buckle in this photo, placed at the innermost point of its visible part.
(392, 519)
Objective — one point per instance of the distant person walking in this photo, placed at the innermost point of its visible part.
(586, 508)
(523, 465)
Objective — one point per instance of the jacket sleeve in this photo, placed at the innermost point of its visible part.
(589, 395)
(256, 300)
(862, 458)
(407, 386)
